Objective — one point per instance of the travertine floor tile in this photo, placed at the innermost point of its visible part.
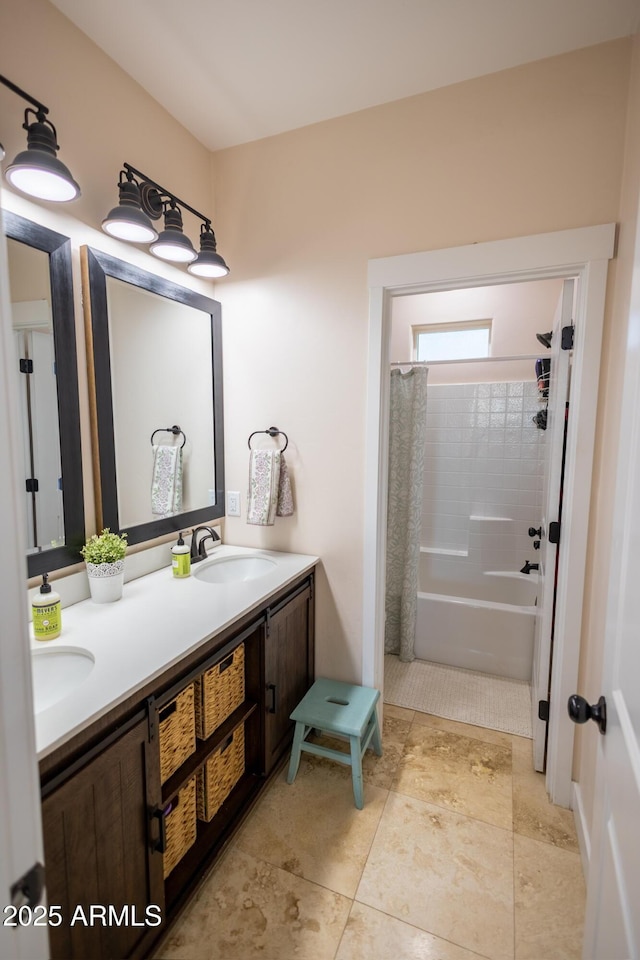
(533, 814)
(400, 713)
(549, 901)
(375, 936)
(378, 771)
(312, 828)
(447, 874)
(467, 775)
(250, 909)
(465, 729)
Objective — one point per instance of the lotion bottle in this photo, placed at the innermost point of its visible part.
(181, 558)
(46, 612)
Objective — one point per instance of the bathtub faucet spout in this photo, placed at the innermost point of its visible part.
(528, 567)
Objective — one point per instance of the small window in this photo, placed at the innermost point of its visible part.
(452, 341)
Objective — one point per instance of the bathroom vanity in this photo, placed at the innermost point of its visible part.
(111, 810)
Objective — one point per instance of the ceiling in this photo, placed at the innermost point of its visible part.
(232, 71)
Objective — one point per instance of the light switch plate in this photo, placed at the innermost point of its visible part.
(233, 503)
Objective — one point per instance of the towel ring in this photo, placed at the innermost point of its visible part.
(175, 430)
(273, 432)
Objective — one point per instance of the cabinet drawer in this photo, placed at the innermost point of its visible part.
(218, 692)
(220, 774)
(177, 732)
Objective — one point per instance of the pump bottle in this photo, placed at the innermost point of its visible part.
(46, 612)
(181, 558)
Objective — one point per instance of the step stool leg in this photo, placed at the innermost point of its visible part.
(356, 771)
(376, 739)
(294, 762)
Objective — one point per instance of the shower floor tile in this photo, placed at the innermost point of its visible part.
(456, 694)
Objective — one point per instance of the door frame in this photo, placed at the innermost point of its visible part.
(582, 253)
(21, 842)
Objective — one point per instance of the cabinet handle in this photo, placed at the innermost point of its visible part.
(272, 687)
(227, 743)
(160, 814)
(226, 663)
(167, 711)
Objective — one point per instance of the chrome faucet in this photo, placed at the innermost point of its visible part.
(198, 549)
(528, 567)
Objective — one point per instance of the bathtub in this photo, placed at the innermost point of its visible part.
(479, 620)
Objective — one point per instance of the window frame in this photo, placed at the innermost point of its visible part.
(446, 327)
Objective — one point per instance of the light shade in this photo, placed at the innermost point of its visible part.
(128, 221)
(208, 263)
(37, 171)
(172, 244)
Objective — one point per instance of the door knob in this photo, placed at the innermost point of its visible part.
(535, 532)
(580, 711)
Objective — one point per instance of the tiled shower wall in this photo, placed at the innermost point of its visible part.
(484, 458)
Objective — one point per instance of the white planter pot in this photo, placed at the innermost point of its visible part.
(105, 581)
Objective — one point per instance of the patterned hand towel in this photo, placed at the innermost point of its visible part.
(166, 481)
(264, 479)
(285, 496)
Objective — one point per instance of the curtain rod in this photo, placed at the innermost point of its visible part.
(433, 363)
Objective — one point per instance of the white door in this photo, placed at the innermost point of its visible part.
(20, 824)
(612, 929)
(548, 553)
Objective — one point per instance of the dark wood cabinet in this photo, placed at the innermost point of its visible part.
(100, 868)
(105, 809)
(289, 652)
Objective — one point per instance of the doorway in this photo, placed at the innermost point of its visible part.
(584, 254)
(480, 586)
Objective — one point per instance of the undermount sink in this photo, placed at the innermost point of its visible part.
(233, 569)
(57, 672)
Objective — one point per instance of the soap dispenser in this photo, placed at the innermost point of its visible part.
(46, 612)
(181, 558)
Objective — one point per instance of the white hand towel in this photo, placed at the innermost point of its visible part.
(166, 482)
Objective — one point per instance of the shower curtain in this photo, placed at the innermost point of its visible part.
(407, 425)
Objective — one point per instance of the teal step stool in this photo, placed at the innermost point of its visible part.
(343, 709)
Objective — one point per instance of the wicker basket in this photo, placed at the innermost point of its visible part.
(220, 774)
(218, 692)
(177, 732)
(180, 825)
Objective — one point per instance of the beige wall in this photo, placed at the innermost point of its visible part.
(528, 150)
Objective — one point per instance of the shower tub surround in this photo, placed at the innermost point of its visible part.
(484, 458)
(473, 618)
(484, 476)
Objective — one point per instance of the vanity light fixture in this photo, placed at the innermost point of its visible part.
(37, 171)
(172, 244)
(208, 263)
(128, 221)
(143, 200)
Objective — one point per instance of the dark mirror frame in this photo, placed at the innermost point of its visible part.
(64, 338)
(96, 267)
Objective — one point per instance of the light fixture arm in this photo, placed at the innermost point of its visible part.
(42, 110)
(161, 196)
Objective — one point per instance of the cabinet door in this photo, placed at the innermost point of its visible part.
(97, 853)
(288, 670)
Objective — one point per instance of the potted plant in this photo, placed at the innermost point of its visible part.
(104, 556)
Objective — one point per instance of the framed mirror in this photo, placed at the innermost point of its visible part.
(41, 293)
(155, 363)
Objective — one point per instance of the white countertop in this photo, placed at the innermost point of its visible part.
(159, 621)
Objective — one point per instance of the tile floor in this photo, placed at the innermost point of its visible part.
(457, 855)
